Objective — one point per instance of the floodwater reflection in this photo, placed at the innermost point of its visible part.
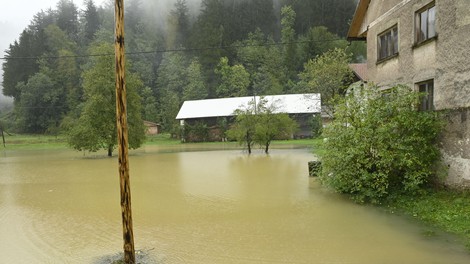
(218, 206)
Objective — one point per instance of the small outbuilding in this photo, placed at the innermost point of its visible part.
(210, 118)
(151, 128)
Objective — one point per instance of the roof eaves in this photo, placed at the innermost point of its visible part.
(357, 20)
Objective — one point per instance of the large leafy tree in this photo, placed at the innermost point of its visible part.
(271, 125)
(379, 144)
(328, 74)
(19, 70)
(243, 131)
(196, 88)
(64, 70)
(96, 129)
(172, 78)
(318, 40)
(234, 80)
(40, 106)
(264, 63)
(32, 44)
(260, 123)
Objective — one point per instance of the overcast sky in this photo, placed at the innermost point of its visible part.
(15, 15)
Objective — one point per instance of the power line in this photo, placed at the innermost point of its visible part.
(171, 50)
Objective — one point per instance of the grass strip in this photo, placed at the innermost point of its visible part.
(445, 209)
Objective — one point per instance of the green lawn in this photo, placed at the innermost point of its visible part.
(445, 209)
(17, 141)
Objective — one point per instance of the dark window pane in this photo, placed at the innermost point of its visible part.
(387, 43)
(428, 98)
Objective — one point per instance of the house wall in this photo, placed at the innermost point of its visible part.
(444, 59)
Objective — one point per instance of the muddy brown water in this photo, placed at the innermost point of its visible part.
(194, 206)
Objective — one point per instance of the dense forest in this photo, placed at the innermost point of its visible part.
(196, 50)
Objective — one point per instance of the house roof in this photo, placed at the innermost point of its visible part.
(360, 70)
(289, 103)
(357, 21)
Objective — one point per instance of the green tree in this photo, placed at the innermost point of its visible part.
(40, 107)
(264, 63)
(379, 145)
(96, 127)
(91, 22)
(16, 71)
(67, 18)
(209, 31)
(149, 103)
(178, 26)
(234, 80)
(31, 43)
(64, 71)
(260, 123)
(328, 74)
(318, 40)
(271, 125)
(196, 88)
(333, 14)
(172, 78)
(243, 131)
(288, 37)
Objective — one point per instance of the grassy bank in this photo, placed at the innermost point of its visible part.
(18, 141)
(447, 210)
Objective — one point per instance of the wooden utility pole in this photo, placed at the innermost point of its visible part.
(122, 132)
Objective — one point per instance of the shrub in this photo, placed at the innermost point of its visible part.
(378, 144)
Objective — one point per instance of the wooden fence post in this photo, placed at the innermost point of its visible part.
(122, 132)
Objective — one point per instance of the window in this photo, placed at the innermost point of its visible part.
(387, 43)
(425, 23)
(427, 100)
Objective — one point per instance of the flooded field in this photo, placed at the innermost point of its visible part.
(193, 206)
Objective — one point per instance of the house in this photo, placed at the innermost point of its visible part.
(212, 117)
(424, 44)
(152, 128)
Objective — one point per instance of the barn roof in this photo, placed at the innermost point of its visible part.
(289, 103)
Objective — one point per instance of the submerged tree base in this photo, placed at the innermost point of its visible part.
(141, 257)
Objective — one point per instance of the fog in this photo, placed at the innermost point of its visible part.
(16, 15)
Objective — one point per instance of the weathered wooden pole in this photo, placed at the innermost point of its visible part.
(122, 133)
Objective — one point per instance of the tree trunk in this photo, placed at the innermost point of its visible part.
(122, 135)
(266, 149)
(248, 142)
(110, 151)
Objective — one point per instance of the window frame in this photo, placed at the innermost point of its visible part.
(421, 35)
(427, 101)
(389, 40)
